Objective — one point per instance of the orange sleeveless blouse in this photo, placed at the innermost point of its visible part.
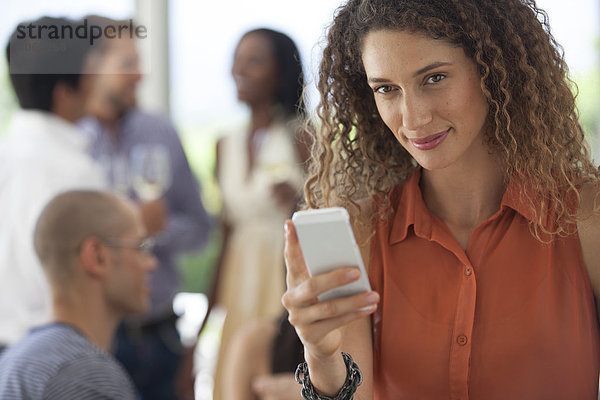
(509, 318)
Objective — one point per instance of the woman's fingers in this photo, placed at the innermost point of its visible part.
(318, 323)
(294, 260)
(334, 308)
(318, 331)
(306, 315)
(307, 291)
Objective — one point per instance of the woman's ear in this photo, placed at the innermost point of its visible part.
(94, 256)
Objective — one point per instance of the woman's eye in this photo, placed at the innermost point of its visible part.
(383, 89)
(435, 78)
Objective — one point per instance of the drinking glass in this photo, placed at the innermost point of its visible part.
(150, 169)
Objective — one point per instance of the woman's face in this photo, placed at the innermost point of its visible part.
(254, 70)
(428, 93)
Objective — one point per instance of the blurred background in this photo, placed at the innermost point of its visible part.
(192, 43)
(188, 61)
(188, 66)
(190, 54)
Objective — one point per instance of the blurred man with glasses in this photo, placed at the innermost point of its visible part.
(97, 258)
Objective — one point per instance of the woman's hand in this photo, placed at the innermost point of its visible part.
(319, 324)
(276, 387)
(285, 195)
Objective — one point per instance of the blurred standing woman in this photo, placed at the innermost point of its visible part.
(451, 133)
(260, 170)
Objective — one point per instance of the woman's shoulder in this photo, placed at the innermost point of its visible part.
(231, 135)
(588, 212)
(588, 226)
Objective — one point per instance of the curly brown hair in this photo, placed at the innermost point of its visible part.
(533, 121)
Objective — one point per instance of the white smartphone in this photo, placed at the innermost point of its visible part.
(327, 243)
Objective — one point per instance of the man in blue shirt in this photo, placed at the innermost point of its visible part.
(148, 346)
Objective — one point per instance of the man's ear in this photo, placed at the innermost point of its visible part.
(61, 100)
(94, 257)
(61, 93)
(67, 101)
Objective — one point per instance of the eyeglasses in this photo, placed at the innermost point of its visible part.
(145, 245)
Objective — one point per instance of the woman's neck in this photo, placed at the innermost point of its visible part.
(262, 116)
(464, 196)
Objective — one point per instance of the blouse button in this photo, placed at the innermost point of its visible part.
(468, 270)
(461, 340)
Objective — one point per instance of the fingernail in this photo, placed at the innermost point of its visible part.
(285, 227)
(353, 273)
(369, 308)
(372, 297)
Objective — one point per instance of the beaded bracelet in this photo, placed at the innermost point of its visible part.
(353, 380)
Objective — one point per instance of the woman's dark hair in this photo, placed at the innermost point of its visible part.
(290, 92)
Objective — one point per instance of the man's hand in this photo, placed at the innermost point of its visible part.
(155, 215)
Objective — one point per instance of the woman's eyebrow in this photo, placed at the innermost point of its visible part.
(378, 80)
(430, 67)
(417, 73)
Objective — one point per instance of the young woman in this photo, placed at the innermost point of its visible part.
(450, 132)
(260, 169)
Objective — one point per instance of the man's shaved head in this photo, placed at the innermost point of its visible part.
(71, 217)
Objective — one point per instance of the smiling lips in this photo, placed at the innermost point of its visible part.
(430, 142)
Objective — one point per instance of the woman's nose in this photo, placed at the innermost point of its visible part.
(415, 111)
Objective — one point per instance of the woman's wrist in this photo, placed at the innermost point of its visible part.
(327, 374)
(352, 380)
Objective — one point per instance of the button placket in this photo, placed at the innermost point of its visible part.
(460, 349)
